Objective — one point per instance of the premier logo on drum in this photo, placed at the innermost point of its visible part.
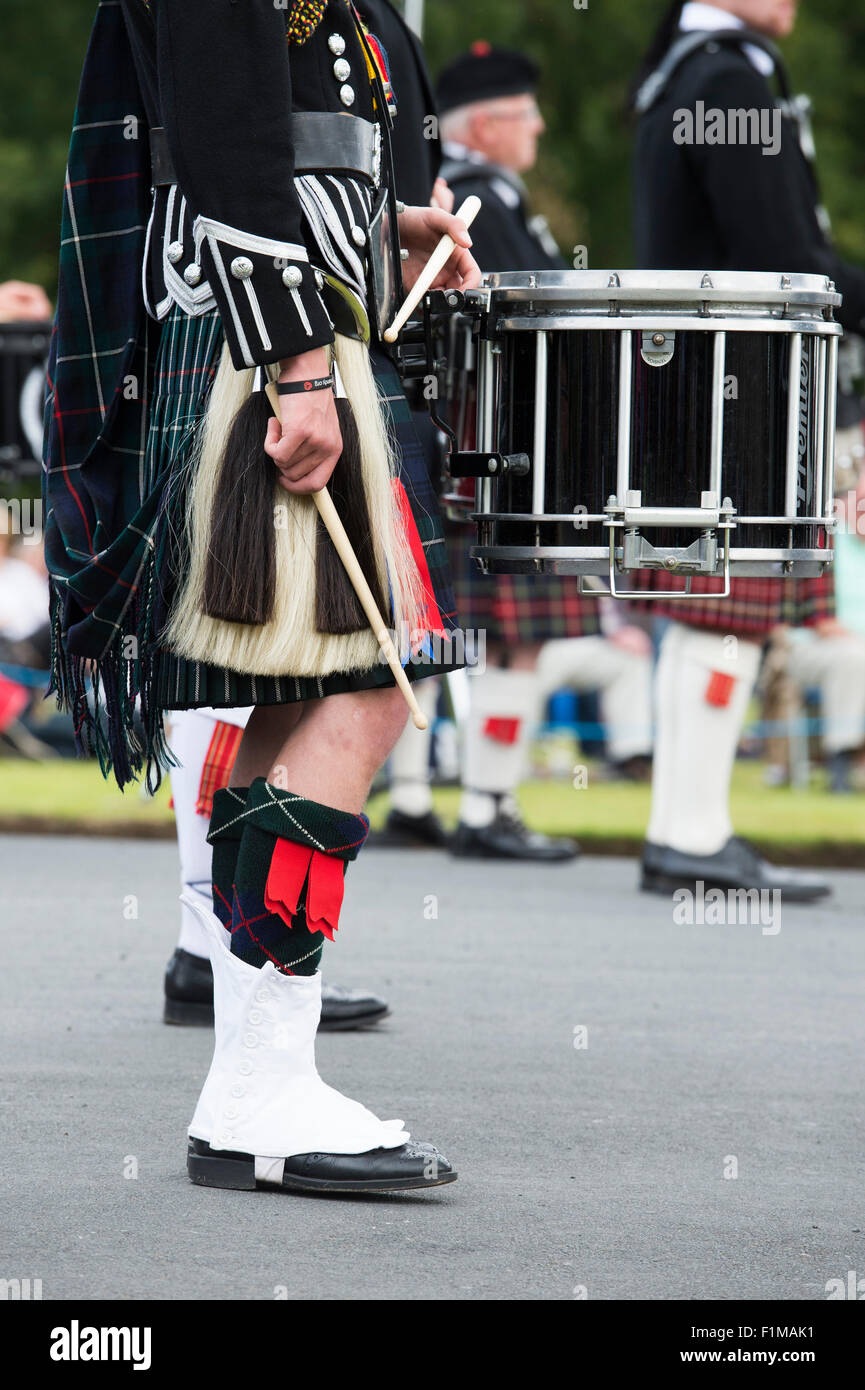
(739, 126)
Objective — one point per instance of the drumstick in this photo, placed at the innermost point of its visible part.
(467, 214)
(335, 529)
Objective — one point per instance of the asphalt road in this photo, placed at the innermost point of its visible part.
(706, 1142)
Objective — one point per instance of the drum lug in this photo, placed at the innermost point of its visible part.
(658, 346)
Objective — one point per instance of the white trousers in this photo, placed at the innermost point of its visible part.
(695, 739)
(189, 740)
(623, 678)
(837, 666)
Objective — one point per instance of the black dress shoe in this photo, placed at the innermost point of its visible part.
(189, 990)
(412, 832)
(349, 1008)
(737, 865)
(379, 1170)
(189, 998)
(507, 837)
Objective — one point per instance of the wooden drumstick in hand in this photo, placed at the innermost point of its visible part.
(335, 529)
(442, 253)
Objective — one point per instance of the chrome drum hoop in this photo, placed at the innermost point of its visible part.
(659, 306)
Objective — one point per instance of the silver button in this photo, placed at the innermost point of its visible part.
(346, 95)
(342, 70)
(255, 1015)
(292, 277)
(336, 44)
(175, 251)
(241, 267)
(192, 274)
(245, 1068)
(319, 280)
(358, 236)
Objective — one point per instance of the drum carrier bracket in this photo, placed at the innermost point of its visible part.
(700, 557)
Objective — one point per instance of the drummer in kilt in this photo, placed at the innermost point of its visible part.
(724, 207)
(162, 453)
(540, 632)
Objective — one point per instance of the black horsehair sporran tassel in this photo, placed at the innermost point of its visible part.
(240, 573)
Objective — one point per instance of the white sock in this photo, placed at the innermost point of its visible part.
(408, 768)
(624, 679)
(189, 740)
(696, 740)
(503, 712)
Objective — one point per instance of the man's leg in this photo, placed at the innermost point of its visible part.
(205, 745)
(504, 707)
(623, 677)
(703, 684)
(837, 666)
(264, 1115)
(411, 819)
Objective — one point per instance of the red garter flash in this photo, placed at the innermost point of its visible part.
(291, 866)
(501, 729)
(720, 689)
(428, 619)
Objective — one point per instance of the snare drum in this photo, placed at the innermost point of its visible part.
(667, 420)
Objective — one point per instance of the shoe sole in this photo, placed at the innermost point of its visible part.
(515, 858)
(346, 1025)
(201, 1016)
(187, 1014)
(651, 882)
(238, 1176)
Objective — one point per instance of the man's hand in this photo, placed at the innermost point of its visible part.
(307, 448)
(420, 231)
(20, 302)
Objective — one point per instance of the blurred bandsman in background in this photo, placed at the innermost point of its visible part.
(727, 206)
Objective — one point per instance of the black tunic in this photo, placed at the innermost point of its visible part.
(730, 207)
(504, 237)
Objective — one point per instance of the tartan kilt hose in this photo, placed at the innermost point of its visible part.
(189, 355)
(516, 609)
(753, 609)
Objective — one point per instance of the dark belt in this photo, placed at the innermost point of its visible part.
(331, 140)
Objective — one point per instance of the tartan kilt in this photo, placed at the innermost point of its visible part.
(188, 358)
(753, 609)
(516, 609)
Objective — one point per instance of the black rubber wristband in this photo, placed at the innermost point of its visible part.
(290, 388)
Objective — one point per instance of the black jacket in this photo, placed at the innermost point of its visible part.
(232, 227)
(414, 138)
(730, 207)
(504, 236)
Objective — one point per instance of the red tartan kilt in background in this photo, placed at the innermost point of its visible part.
(753, 609)
(515, 609)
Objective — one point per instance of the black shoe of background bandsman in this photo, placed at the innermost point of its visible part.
(737, 865)
(412, 831)
(189, 998)
(379, 1170)
(509, 839)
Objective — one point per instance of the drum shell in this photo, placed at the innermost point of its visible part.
(583, 434)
